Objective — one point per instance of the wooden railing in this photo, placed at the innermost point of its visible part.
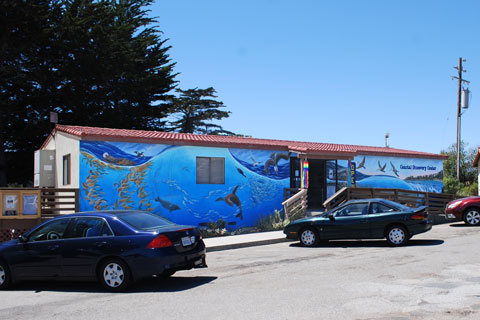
(295, 206)
(435, 202)
(55, 201)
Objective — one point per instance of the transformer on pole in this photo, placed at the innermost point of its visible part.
(459, 107)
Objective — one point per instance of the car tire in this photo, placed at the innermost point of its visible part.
(114, 275)
(309, 237)
(397, 236)
(472, 217)
(5, 278)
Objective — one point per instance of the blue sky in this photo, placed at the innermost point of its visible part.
(331, 71)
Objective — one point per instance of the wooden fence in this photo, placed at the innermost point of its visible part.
(55, 201)
(435, 202)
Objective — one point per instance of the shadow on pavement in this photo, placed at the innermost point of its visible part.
(462, 225)
(370, 243)
(172, 284)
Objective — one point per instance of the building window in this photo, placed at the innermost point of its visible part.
(210, 170)
(66, 169)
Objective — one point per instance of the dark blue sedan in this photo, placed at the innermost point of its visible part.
(113, 247)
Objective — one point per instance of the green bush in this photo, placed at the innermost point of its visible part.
(271, 222)
(469, 190)
(453, 186)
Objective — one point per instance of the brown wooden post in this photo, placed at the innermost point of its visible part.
(77, 200)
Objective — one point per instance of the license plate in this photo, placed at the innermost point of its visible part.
(187, 241)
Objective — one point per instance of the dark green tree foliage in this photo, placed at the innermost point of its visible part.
(96, 63)
(467, 185)
(195, 110)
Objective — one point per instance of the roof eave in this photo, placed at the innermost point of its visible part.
(477, 158)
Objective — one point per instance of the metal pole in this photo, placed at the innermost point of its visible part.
(459, 115)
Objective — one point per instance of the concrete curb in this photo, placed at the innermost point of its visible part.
(245, 244)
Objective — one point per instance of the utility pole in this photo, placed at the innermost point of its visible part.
(459, 113)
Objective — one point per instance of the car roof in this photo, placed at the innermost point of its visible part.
(103, 214)
(367, 200)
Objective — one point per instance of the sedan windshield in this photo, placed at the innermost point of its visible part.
(143, 221)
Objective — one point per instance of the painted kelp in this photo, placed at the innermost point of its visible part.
(162, 179)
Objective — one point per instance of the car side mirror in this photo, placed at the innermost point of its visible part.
(22, 239)
(331, 217)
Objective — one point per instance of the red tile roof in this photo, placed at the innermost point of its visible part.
(309, 148)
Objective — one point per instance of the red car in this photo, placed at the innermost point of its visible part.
(466, 209)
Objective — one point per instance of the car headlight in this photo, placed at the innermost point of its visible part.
(453, 204)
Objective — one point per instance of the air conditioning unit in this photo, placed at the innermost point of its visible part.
(44, 168)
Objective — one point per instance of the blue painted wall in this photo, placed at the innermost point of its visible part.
(162, 179)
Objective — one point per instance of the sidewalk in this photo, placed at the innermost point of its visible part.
(244, 240)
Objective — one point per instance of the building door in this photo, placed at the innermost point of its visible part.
(295, 173)
(317, 186)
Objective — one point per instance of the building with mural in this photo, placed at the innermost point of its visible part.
(199, 179)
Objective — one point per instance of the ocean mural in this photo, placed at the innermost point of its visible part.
(161, 179)
(395, 172)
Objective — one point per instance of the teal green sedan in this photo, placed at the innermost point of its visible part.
(362, 219)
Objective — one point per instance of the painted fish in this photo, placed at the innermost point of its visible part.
(240, 171)
(167, 204)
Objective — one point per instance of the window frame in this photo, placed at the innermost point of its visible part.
(67, 169)
(211, 170)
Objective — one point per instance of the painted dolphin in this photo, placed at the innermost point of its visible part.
(273, 161)
(268, 163)
(380, 168)
(394, 169)
(254, 163)
(278, 157)
(282, 156)
(167, 204)
(232, 199)
(361, 164)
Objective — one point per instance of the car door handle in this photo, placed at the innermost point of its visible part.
(54, 247)
(100, 244)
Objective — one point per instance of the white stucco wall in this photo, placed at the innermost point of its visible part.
(66, 144)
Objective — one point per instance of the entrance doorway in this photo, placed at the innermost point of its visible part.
(317, 183)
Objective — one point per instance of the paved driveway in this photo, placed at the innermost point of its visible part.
(436, 277)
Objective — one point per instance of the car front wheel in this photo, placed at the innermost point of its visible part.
(114, 275)
(309, 237)
(472, 217)
(4, 276)
(397, 236)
